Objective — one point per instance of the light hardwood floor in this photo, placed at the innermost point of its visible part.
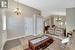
(22, 43)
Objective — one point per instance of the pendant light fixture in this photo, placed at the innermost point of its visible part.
(17, 10)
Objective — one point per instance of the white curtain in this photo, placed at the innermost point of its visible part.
(33, 25)
(40, 25)
(29, 28)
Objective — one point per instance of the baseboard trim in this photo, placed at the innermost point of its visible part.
(15, 38)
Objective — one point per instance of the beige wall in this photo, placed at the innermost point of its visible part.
(70, 19)
(15, 24)
(48, 21)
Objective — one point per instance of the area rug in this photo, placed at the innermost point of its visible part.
(28, 49)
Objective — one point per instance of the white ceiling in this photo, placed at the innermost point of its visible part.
(49, 7)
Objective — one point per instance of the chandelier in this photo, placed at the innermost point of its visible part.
(17, 11)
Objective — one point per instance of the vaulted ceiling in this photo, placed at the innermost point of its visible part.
(50, 7)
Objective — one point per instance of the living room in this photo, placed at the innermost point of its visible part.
(23, 20)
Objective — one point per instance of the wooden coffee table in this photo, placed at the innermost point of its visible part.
(41, 44)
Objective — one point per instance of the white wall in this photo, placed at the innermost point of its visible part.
(0, 30)
(15, 26)
(15, 23)
(3, 35)
(70, 19)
